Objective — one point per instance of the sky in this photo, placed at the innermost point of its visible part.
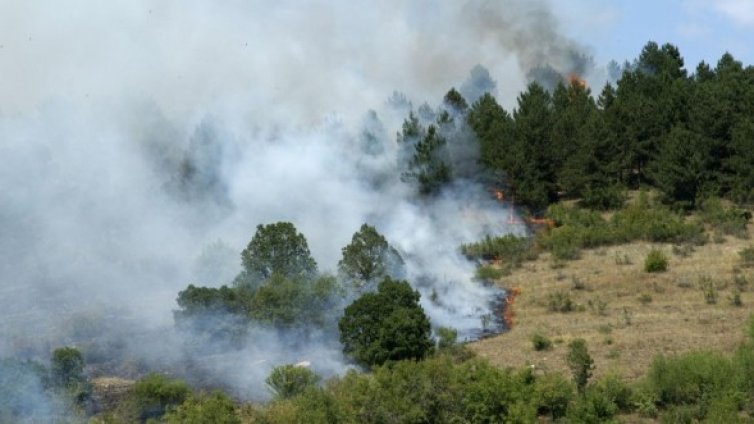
(701, 29)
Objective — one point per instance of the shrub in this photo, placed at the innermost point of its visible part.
(656, 261)
(645, 298)
(580, 363)
(604, 197)
(552, 395)
(541, 342)
(747, 257)
(578, 284)
(216, 408)
(627, 316)
(740, 281)
(488, 273)
(622, 259)
(508, 248)
(728, 221)
(597, 306)
(735, 298)
(644, 401)
(750, 328)
(642, 220)
(67, 367)
(559, 302)
(689, 378)
(708, 288)
(287, 381)
(446, 337)
(683, 250)
(151, 397)
(564, 243)
(67, 374)
(601, 401)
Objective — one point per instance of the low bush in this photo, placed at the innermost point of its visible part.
(735, 298)
(746, 256)
(740, 281)
(552, 395)
(215, 408)
(601, 401)
(447, 338)
(489, 273)
(642, 220)
(690, 378)
(724, 220)
(656, 261)
(709, 289)
(508, 248)
(604, 198)
(286, 381)
(597, 306)
(151, 397)
(541, 342)
(580, 363)
(560, 302)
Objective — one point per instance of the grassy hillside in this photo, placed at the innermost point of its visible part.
(627, 315)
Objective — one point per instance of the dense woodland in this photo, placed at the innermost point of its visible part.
(686, 135)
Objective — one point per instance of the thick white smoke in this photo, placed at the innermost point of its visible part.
(143, 142)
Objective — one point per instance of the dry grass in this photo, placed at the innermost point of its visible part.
(645, 314)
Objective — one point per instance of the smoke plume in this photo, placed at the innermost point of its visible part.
(143, 142)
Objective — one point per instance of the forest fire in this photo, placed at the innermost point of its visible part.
(508, 312)
(574, 79)
(497, 193)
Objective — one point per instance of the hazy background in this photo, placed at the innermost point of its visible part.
(142, 142)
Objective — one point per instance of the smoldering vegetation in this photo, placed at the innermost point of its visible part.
(111, 207)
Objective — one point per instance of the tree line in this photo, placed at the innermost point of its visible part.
(688, 135)
(376, 314)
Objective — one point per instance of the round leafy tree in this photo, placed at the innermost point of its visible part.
(67, 367)
(388, 325)
(276, 249)
(369, 257)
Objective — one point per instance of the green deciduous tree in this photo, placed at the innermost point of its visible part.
(276, 248)
(67, 367)
(388, 325)
(368, 258)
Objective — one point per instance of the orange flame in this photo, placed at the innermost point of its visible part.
(549, 223)
(574, 79)
(497, 193)
(508, 312)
